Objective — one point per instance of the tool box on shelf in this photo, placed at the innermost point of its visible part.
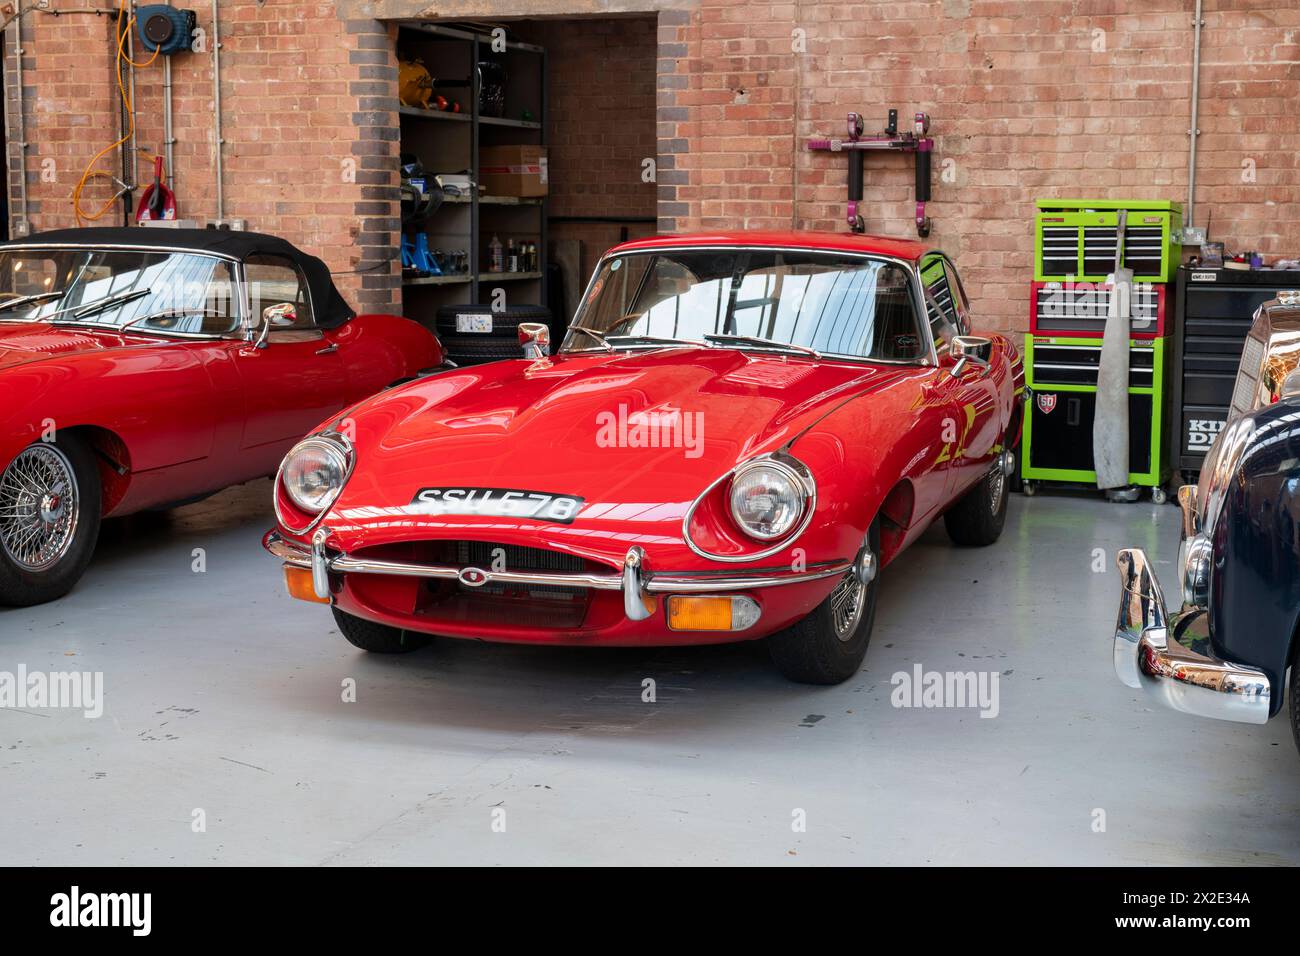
(1080, 308)
(1214, 310)
(1076, 239)
(1061, 375)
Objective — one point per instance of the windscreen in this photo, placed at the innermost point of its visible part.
(839, 305)
(156, 292)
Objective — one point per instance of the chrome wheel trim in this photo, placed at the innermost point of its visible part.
(847, 602)
(997, 485)
(40, 505)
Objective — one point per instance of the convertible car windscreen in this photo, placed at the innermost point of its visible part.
(838, 305)
(162, 292)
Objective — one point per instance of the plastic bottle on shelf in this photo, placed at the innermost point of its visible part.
(496, 255)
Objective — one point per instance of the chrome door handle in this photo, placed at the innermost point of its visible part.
(332, 347)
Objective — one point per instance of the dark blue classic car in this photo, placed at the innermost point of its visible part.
(1225, 654)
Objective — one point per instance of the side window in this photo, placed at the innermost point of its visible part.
(959, 303)
(273, 280)
(944, 324)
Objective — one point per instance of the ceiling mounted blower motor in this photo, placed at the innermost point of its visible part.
(165, 28)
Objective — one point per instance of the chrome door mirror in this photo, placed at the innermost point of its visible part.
(535, 339)
(969, 350)
(281, 315)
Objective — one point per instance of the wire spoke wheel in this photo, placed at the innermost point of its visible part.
(39, 507)
(847, 601)
(997, 485)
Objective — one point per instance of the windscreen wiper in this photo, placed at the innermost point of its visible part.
(99, 305)
(174, 313)
(592, 333)
(756, 342)
(104, 304)
(8, 304)
(632, 339)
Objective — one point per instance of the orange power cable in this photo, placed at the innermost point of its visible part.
(123, 31)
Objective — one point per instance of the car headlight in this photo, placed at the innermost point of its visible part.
(768, 497)
(314, 472)
(1196, 557)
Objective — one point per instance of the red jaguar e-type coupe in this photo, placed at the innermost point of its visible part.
(739, 432)
(141, 368)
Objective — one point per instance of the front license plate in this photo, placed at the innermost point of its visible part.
(473, 322)
(497, 503)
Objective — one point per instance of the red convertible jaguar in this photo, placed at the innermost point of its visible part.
(738, 433)
(146, 368)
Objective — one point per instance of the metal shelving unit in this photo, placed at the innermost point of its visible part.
(453, 142)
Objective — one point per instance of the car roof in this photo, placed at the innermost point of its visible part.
(790, 239)
(225, 242)
(330, 308)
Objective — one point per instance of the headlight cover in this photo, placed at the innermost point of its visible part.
(314, 472)
(1219, 467)
(1196, 558)
(767, 499)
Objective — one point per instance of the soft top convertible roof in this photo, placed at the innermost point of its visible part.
(330, 308)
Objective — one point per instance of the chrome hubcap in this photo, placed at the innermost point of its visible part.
(38, 508)
(53, 507)
(847, 601)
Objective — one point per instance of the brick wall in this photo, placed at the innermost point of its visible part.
(309, 114)
(1028, 99)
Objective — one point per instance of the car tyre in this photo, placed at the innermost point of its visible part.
(50, 509)
(378, 638)
(1294, 692)
(977, 519)
(828, 646)
(501, 342)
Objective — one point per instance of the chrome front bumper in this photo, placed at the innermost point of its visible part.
(635, 581)
(1148, 655)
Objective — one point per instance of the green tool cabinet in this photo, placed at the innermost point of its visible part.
(1075, 239)
(1061, 374)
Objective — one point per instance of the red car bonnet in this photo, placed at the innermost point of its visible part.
(585, 425)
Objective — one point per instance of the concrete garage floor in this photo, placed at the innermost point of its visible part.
(222, 694)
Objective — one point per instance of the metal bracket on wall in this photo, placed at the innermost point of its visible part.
(856, 144)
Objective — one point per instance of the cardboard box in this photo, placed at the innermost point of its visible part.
(513, 171)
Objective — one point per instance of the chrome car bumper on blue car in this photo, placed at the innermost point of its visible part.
(1170, 659)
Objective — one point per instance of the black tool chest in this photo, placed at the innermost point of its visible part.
(1215, 309)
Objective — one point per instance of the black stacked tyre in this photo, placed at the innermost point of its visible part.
(501, 341)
